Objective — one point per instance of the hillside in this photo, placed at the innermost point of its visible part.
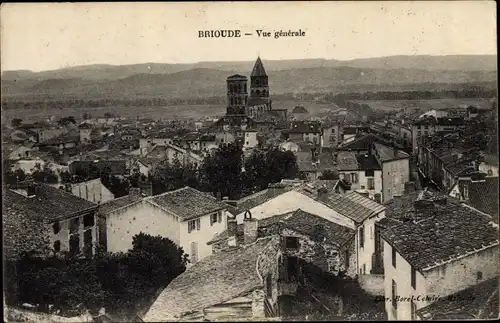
(203, 82)
(111, 72)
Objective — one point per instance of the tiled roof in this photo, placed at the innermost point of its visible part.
(305, 164)
(483, 195)
(72, 136)
(362, 143)
(477, 302)
(118, 203)
(367, 162)
(49, 203)
(188, 203)
(454, 121)
(431, 236)
(117, 167)
(236, 76)
(387, 153)
(304, 222)
(258, 68)
(22, 227)
(346, 160)
(251, 201)
(353, 205)
(213, 280)
(304, 127)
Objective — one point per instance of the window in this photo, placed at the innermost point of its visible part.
(362, 237)
(57, 227)
(219, 217)
(213, 218)
(393, 257)
(194, 252)
(413, 311)
(394, 294)
(57, 246)
(369, 173)
(364, 269)
(74, 225)
(479, 275)
(193, 225)
(292, 242)
(371, 183)
(346, 259)
(88, 221)
(74, 244)
(413, 277)
(354, 177)
(466, 192)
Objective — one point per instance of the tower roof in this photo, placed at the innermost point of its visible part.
(258, 68)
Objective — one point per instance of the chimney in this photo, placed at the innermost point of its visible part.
(250, 227)
(232, 228)
(378, 198)
(365, 194)
(30, 190)
(322, 194)
(134, 191)
(314, 155)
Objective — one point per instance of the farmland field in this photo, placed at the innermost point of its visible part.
(391, 105)
(154, 112)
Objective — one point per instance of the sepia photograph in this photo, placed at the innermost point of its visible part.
(250, 161)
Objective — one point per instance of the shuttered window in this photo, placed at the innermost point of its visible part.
(194, 252)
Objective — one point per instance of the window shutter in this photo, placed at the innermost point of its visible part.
(219, 217)
(198, 224)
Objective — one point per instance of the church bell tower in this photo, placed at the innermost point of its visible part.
(237, 94)
(259, 86)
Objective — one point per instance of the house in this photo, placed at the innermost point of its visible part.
(395, 166)
(432, 248)
(314, 162)
(305, 237)
(305, 131)
(188, 217)
(85, 131)
(67, 222)
(430, 125)
(350, 210)
(489, 165)
(113, 167)
(370, 176)
(93, 191)
(237, 284)
(64, 141)
(479, 191)
(20, 152)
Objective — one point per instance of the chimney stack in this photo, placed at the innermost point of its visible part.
(322, 194)
(30, 190)
(232, 228)
(378, 198)
(250, 228)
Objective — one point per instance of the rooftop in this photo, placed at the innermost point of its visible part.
(353, 205)
(118, 203)
(346, 160)
(483, 195)
(387, 153)
(251, 201)
(213, 280)
(436, 230)
(363, 143)
(477, 302)
(188, 203)
(367, 162)
(304, 127)
(49, 203)
(258, 68)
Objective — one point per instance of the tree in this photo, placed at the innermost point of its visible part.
(45, 175)
(256, 172)
(220, 172)
(66, 121)
(13, 177)
(281, 165)
(87, 116)
(329, 175)
(16, 122)
(66, 177)
(172, 176)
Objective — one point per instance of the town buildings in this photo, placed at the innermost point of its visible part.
(434, 247)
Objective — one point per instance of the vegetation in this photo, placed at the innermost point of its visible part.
(329, 175)
(16, 122)
(119, 282)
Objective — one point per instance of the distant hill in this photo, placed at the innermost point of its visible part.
(204, 82)
(111, 72)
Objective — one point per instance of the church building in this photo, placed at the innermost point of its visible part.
(248, 110)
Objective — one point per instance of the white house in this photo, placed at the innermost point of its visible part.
(442, 248)
(188, 217)
(351, 210)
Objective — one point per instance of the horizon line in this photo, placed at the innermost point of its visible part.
(243, 61)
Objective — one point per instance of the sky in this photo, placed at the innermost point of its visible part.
(51, 35)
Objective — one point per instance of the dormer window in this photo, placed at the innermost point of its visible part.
(292, 242)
